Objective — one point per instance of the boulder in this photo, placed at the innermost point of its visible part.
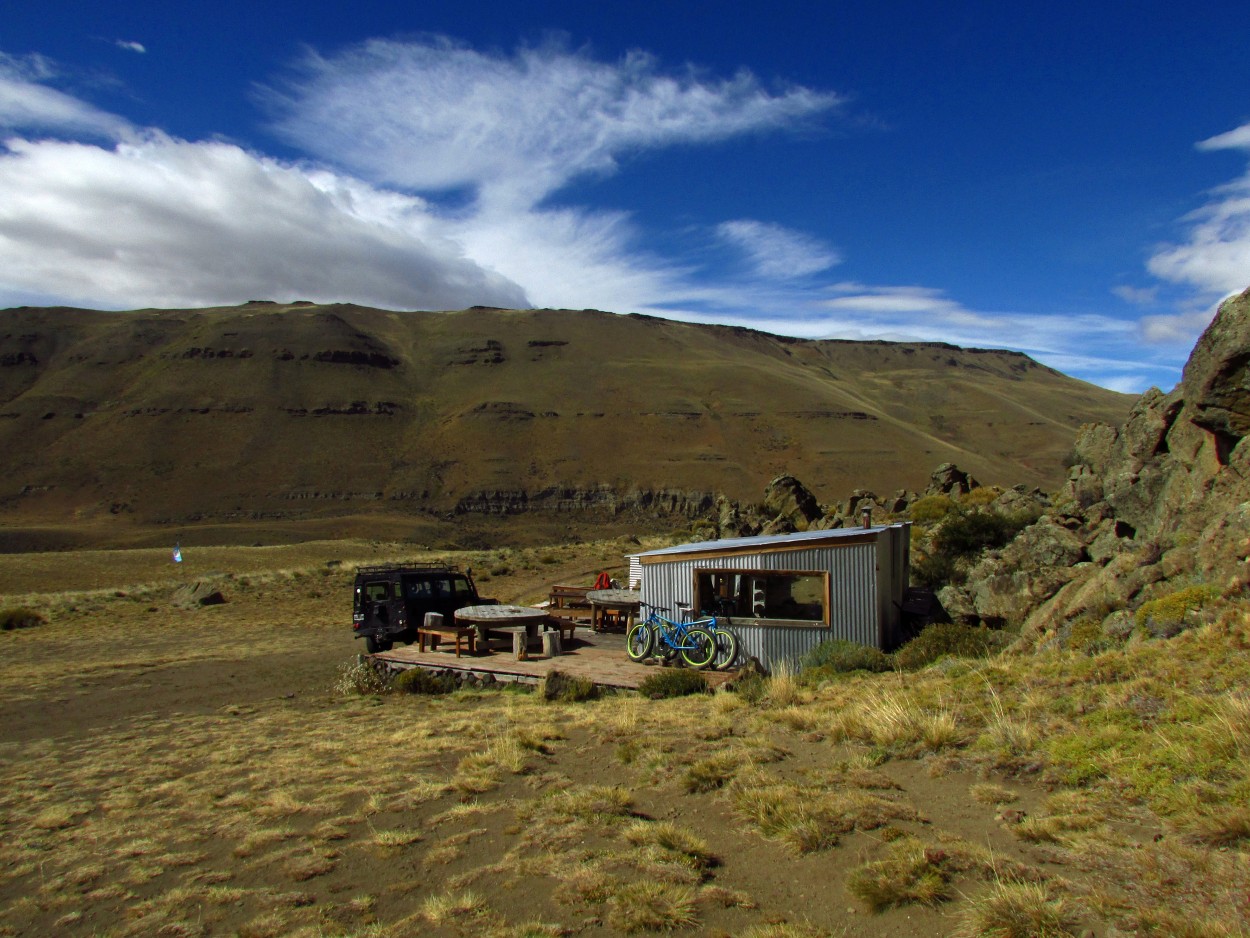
(199, 593)
(949, 479)
(1216, 380)
(787, 498)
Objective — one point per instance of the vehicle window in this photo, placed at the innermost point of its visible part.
(377, 592)
(462, 588)
(418, 588)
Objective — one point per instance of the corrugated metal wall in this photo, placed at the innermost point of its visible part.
(854, 603)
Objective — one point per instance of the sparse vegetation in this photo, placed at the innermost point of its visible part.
(271, 810)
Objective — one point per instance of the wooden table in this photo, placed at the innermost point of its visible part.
(501, 617)
(607, 605)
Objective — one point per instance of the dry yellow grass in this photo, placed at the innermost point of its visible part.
(194, 772)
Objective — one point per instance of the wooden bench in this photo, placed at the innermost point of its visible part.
(569, 602)
(448, 632)
(565, 621)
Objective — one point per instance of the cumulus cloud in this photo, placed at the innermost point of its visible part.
(434, 114)
(28, 103)
(777, 252)
(164, 222)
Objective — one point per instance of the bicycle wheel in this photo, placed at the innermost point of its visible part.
(699, 648)
(639, 642)
(726, 648)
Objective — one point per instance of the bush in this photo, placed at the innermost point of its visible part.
(421, 681)
(361, 677)
(947, 638)
(934, 571)
(840, 656)
(931, 508)
(963, 536)
(566, 688)
(1165, 616)
(673, 682)
(970, 533)
(20, 617)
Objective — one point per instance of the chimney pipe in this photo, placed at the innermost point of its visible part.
(867, 518)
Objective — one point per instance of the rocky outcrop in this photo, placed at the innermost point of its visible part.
(602, 499)
(1161, 502)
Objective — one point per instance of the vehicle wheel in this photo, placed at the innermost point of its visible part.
(699, 648)
(374, 644)
(726, 649)
(639, 642)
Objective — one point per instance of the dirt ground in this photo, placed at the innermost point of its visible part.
(196, 771)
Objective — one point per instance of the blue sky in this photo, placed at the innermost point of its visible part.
(1066, 179)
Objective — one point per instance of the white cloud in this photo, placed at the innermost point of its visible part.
(432, 114)
(1215, 257)
(131, 46)
(163, 222)
(776, 252)
(1236, 139)
(1138, 296)
(28, 103)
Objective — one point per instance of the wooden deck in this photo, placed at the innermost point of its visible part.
(598, 656)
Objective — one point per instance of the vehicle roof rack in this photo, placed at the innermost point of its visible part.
(418, 566)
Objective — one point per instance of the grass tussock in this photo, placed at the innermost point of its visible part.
(1017, 910)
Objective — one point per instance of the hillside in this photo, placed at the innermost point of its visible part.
(271, 414)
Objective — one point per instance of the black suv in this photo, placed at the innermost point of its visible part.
(390, 602)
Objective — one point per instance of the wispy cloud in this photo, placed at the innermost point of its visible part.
(29, 103)
(434, 114)
(130, 45)
(777, 252)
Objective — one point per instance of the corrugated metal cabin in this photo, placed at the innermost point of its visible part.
(784, 594)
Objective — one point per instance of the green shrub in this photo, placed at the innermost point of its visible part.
(566, 688)
(839, 655)
(969, 533)
(421, 681)
(931, 508)
(947, 638)
(673, 682)
(20, 617)
(750, 687)
(963, 537)
(935, 570)
(1165, 616)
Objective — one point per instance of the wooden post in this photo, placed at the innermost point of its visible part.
(551, 644)
(520, 639)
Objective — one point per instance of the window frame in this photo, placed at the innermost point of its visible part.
(826, 595)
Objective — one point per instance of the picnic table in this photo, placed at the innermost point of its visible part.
(613, 607)
(502, 619)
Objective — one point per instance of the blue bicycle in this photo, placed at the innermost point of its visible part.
(659, 635)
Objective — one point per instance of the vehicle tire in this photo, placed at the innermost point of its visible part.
(639, 642)
(699, 648)
(374, 644)
(726, 649)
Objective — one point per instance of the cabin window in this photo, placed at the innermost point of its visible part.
(799, 597)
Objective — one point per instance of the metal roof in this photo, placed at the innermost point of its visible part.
(764, 541)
